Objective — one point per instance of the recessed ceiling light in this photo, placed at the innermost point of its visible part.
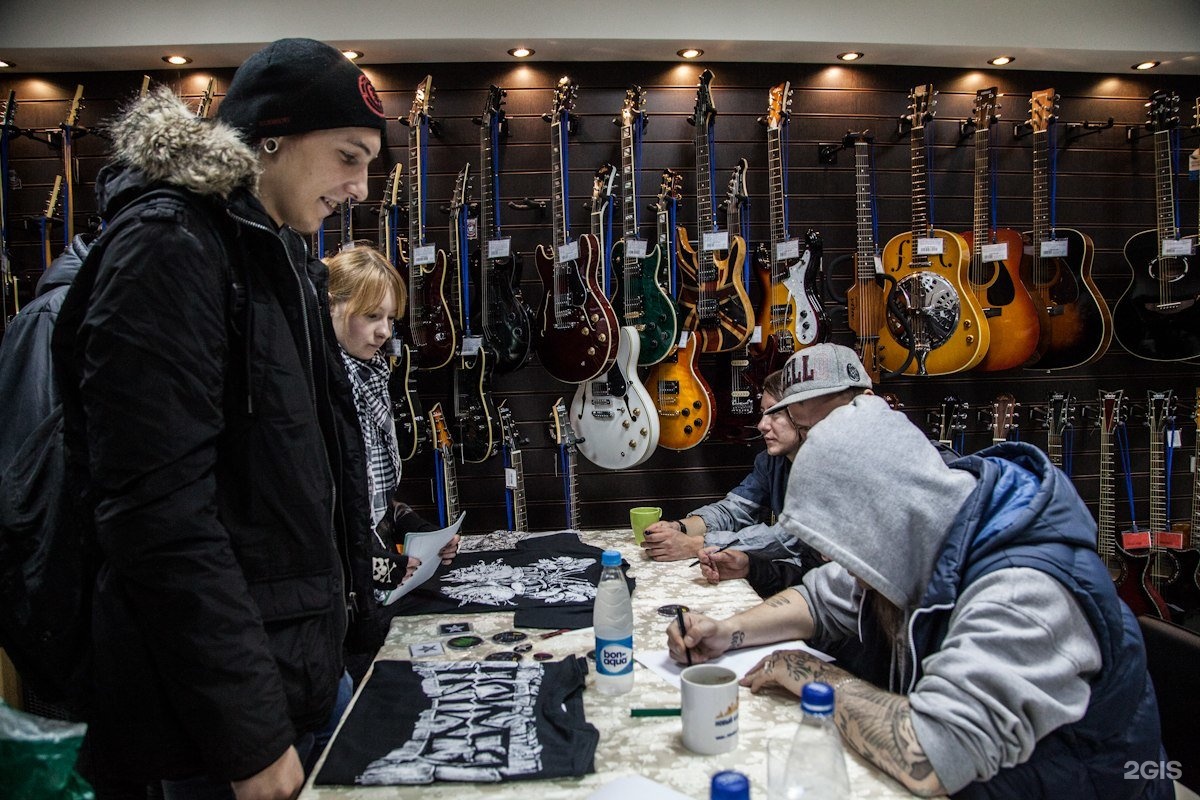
(1145, 65)
(689, 52)
(1000, 61)
(520, 52)
(177, 60)
(850, 56)
(6, 64)
(353, 55)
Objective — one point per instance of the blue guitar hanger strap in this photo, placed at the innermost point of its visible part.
(1123, 450)
(1168, 460)
(1068, 448)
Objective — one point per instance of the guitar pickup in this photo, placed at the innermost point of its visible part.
(603, 415)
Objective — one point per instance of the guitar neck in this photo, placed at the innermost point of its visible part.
(520, 513)
(1164, 186)
(418, 134)
(561, 198)
(920, 198)
(864, 205)
(706, 219)
(1042, 180)
(572, 489)
(1158, 490)
(983, 205)
(776, 144)
(450, 481)
(1106, 539)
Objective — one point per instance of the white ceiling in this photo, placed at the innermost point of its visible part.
(1103, 36)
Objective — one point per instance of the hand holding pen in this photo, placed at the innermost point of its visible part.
(706, 635)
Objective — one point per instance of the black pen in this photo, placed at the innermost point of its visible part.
(683, 633)
(719, 549)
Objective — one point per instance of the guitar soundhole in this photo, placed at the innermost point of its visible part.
(1171, 269)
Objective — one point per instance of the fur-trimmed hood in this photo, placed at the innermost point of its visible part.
(159, 137)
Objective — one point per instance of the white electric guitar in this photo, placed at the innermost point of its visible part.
(613, 414)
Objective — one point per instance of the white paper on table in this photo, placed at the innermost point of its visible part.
(424, 545)
(635, 786)
(740, 661)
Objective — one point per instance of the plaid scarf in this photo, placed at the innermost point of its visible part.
(369, 380)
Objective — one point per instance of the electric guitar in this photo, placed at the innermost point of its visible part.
(1075, 326)
(433, 330)
(68, 156)
(711, 292)
(568, 442)
(1157, 318)
(736, 377)
(1182, 592)
(1127, 569)
(791, 315)
(389, 219)
(950, 423)
(474, 409)
(934, 324)
(514, 472)
(1060, 414)
(47, 219)
(683, 398)
(445, 471)
(8, 279)
(996, 258)
(865, 299)
(639, 297)
(613, 414)
(1163, 568)
(505, 319)
(577, 329)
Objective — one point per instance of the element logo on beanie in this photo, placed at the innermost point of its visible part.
(369, 95)
(852, 372)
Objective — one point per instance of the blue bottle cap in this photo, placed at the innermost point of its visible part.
(611, 558)
(817, 698)
(729, 785)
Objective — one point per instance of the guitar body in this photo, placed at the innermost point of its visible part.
(614, 416)
(953, 320)
(657, 323)
(1146, 323)
(1073, 318)
(578, 340)
(736, 383)
(776, 315)
(477, 420)
(683, 398)
(430, 321)
(791, 311)
(865, 302)
(1012, 317)
(1182, 591)
(725, 324)
(1128, 571)
(412, 428)
(507, 325)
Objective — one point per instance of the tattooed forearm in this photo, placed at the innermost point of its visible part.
(736, 639)
(878, 725)
(779, 600)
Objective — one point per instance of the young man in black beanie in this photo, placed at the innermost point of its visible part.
(211, 428)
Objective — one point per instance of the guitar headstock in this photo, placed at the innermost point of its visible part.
(921, 103)
(10, 112)
(633, 109)
(602, 186)
(52, 202)
(669, 188)
(565, 94)
(950, 419)
(893, 401)
(1160, 407)
(441, 432)
(422, 102)
(508, 428)
(462, 188)
(738, 191)
(75, 108)
(1043, 109)
(987, 108)
(560, 426)
(1004, 417)
(391, 194)
(705, 109)
(493, 107)
(1162, 110)
(1112, 410)
(1060, 413)
(779, 105)
(206, 99)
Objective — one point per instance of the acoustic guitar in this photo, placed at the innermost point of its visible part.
(1158, 318)
(994, 274)
(1074, 323)
(577, 330)
(934, 323)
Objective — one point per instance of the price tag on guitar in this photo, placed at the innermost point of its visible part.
(994, 252)
(930, 246)
(787, 250)
(499, 248)
(510, 478)
(471, 345)
(424, 254)
(635, 248)
(1178, 247)
(1054, 248)
(715, 240)
(569, 251)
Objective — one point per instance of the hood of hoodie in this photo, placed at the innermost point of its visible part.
(158, 140)
(871, 492)
(62, 270)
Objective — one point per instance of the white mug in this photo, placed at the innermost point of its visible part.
(709, 709)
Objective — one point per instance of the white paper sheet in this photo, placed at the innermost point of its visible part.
(740, 661)
(424, 545)
(635, 786)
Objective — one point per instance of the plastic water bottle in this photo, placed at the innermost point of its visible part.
(613, 620)
(816, 765)
(729, 785)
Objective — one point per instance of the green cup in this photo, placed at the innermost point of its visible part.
(641, 517)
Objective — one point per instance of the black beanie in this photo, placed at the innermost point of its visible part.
(299, 85)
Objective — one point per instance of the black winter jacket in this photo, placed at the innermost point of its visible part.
(212, 425)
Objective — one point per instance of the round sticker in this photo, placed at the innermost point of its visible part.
(463, 642)
(669, 611)
(543, 656)
(524, 647)
(508, 637)
(503, 655)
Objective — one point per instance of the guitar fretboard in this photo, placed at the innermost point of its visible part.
(630, 135)
(520, 513)
(562, 222)
(983, 205)
(1106, 540)
(776, 144)
(1042, 179)
(864, 206)
(489, 212)
(920, 198)
(706, 267)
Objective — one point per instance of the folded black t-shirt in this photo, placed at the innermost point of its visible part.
(485, 721)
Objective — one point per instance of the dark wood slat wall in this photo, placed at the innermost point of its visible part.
(1105, 188)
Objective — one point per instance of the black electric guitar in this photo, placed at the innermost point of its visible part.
(1126, 568)
(639, 298)
(445, 472)
(514, 472)
(577, 330)
(505, 321)
(613, 414)
(474, 409)
(865, 299)
(1158, 318)
(1075, 325)
(432, 327)
(8, 280)
(1182, 591)
(712, 294)
(568, 443)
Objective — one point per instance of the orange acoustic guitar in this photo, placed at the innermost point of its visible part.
(934, 323)
(996, 259)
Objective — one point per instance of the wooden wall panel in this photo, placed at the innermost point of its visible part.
(1105, 189)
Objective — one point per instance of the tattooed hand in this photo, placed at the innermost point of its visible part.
(705, 638)
(790, 670)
